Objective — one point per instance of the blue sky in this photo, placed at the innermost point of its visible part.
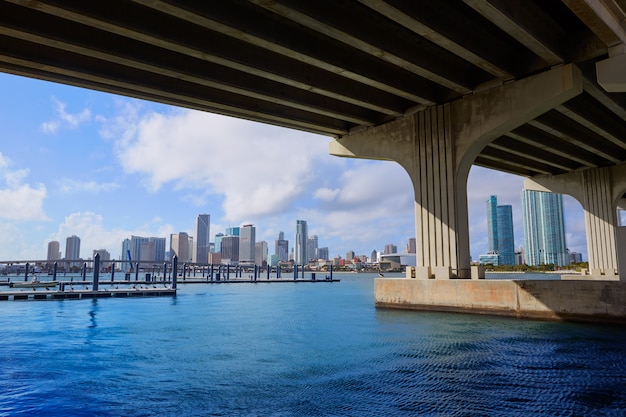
(103, 167)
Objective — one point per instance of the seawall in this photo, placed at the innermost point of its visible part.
(588, 301)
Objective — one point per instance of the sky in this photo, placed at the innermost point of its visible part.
(105, 167)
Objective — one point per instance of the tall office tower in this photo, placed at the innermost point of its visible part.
(374, 257)
(190, 248)
(322, 253)
(159, 244)
(72, 249)
(247, 240)
(499, 233)
(311, 248)
(282, 248)
(203, 236)
(105, 257)
(411, 245)
(300, 245)
(218, 242)
(179, 246)
(492, 223)
(260, 253)
(506, 239)
(390, 248)
(230, 250)
(544, 228)
(135, 248)
(54, 253)
(350, 255)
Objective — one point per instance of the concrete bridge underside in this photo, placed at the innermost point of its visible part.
(535, 88)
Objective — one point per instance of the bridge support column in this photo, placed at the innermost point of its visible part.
(598, 190)
(437, 147)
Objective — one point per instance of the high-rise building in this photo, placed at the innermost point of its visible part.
(492, 223)
(230, 250)
(203, 236)
(322, 253)
(506, 239)
(126, 244)
(374, 257)
(300, 244)
(311, 248)
(260, 253)
(411, 245)
(390, 248)
(232, 231)
(72, 249)
(247, 241)
(179, 246)
(150, 249)
(282, 248)
(544, 228)
(54, 252)
(105, 257)
(218, 242)
(350, 255)
(499, 233)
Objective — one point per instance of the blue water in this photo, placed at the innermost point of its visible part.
(298, 349)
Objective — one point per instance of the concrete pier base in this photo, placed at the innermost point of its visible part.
(587, 301)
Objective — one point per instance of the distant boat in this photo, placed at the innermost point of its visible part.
(34, 283)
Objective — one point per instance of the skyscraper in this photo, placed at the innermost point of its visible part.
(411, 245)
(260, 253)
(390, 248)
(72, 249)
(203, 236)
(247, 241)
(311, 248)
(179, 246)
(506, 239)
(499, 233)
(544, 228)
(282, 248)
(54, 252)
(230, 250)
(492, 223)
(300, 244)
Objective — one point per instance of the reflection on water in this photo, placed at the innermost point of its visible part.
(295, 349)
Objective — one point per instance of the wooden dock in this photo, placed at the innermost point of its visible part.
(84, 294)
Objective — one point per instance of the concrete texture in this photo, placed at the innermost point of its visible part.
(588, 301)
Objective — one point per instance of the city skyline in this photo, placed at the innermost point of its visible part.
(105, 167)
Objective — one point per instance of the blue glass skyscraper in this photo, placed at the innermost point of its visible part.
(544, 228)
(500, 232)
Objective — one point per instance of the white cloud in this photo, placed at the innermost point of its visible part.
(74, 186)
(214, 154)
(19, 201)
(63, 119)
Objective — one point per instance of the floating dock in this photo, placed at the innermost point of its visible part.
(82, 294)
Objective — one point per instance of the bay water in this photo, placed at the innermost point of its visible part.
(298, 349)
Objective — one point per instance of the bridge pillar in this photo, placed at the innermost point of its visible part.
(599, 191)
(437, 147)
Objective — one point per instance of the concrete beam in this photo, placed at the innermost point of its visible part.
(611, 73)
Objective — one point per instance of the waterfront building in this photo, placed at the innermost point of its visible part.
(54, 251)
(575, 257)
(105, 257)
(126, 266)
(322, 253)
(500, 234)
(260, 253)
(506, 239)
(350, 256)
(72, 250)
(179, 246)
(230, 250)
(312, 248)
(151, 249)
(390, 248)
(300, 244)
(247, 241)
(281, 248)
(411, 246)
(214, 258)
(203, 236)
(374, 257)
(544, 228)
